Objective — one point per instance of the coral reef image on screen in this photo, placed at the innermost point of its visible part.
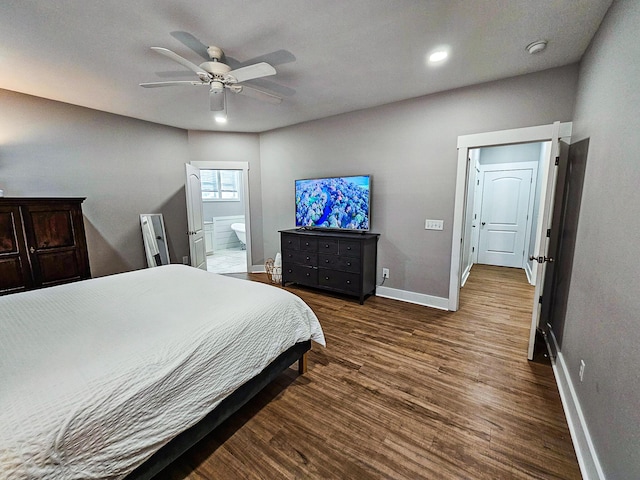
(341, 202)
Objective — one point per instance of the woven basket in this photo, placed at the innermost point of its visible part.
(274, 273)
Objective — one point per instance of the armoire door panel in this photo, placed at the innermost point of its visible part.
(52, 229)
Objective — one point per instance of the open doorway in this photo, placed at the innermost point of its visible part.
(501, 207)
(225, 212)
(466, 144)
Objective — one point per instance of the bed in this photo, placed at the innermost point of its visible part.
(97, 376)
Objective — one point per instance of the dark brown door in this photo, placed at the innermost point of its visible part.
(562, 241)
(15, 273)
(55, 246)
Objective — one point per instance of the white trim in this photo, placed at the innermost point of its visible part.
(440, 303)
(258, 269)
(244, 166)
(465, 275)
(527, 270)
(590, 467)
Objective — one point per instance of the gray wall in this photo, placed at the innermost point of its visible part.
(123, 166)
(235, 147)
(602, 324)
(410, 149)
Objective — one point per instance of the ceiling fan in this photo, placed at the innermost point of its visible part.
(219, 77)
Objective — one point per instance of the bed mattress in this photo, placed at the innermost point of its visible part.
(96, 376)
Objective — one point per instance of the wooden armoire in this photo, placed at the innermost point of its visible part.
(42, 243)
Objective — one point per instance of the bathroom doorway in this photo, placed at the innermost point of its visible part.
(225, 208)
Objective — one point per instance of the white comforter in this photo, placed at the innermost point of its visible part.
(96, 376)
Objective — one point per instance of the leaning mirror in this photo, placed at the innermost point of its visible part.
(155, 239)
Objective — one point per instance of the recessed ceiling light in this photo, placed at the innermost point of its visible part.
(536, 47)
(221, 118)
(438, 56)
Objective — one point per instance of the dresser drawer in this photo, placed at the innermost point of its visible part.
(300, 274)
(328, 245)
(300, 258)
(291, 242)
(345, 281)
(349, 248)
(309, 245)
(338, 262)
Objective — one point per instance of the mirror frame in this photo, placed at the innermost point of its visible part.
(157, 253)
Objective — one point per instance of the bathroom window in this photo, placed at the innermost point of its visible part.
(220, 185)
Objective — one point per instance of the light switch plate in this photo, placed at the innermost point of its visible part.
(433, 224)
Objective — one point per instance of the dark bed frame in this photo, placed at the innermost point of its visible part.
(187, 439)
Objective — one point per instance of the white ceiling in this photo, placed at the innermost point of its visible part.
(332, 56)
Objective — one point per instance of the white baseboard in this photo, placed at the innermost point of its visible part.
(465, 275)
(257, 269)
(527, 270)
(590, 467)
(413, 297)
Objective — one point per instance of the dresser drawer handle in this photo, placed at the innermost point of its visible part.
(308, 258)
(308, 274)
(326, 245)
(326, 260)
(348, 282)
(326, 278)
(348, 248)
(348, 264)
(307, 244)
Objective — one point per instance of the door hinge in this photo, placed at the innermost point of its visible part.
(473, 249)
(548, 232)
(557, 160)
(540, 299)
(478, 182)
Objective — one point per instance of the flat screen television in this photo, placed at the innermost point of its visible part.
(340, 203)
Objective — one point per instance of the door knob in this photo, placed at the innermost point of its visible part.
(541, 259)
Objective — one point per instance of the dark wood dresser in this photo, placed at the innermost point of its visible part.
(42, 243)
(340, 262)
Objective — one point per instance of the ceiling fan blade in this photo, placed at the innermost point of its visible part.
(249, 72)
(260, 95)
(176, 83)
(271, 86)
(192, 42)
(276, 58)
(182, 61)
(216, 100)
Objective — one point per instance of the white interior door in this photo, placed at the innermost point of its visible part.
(503, 220)
(195, 224)
(544, 224)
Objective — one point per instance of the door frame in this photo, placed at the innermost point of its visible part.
(511, 166)
(541, 133)
(232, 165)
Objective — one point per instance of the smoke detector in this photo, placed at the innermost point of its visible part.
(536, 47)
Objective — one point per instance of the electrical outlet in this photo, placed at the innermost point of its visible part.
(185, 260)
(385, 273)
(433, 224)
(581, 369)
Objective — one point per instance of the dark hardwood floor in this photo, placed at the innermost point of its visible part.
(403, 392)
